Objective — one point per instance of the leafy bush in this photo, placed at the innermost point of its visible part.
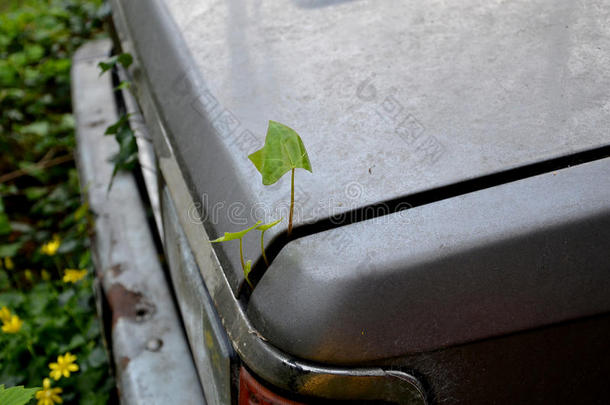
(47, 307)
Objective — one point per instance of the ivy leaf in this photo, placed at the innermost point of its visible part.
(264, 227)
(283, 151)
(105, 66)
(124, 85)
(236, 235)
(114, 128)
(127, 157)
(16, 395)
(125, 59)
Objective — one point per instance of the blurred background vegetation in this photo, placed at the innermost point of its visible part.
(44, 225)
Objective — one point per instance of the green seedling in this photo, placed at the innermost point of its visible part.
(246, 266)
(283, 151)
(263, 228)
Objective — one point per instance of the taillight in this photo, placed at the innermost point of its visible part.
(251, 392)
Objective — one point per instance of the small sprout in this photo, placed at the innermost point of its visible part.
(247, 269)
(263, 228)
(125, 59)
(246, 266)
(283, 151)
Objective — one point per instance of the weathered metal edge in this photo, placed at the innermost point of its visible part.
(152, 359)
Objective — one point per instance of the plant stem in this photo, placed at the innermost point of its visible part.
(241, 255)
(291, 203)
(249, 283)
(43, 164)
(263, 248)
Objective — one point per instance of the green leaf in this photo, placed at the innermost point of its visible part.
(34, 52)
(123, 85)
(16, 395)
(264, 227)
(35, 193)
(247, 270)
(125, 59)
(236, 235)
(10, 249)
(105, 66)
(114, 128)
(5, 225)
(40, 128)
(283, 151)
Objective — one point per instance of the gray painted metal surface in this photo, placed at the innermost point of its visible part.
(152, 359)
(210, 345)
(391, 98)
(508, 258)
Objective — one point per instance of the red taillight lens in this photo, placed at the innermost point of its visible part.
(251, 392)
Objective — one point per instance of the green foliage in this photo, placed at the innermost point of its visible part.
(57, 318)
(263, 228)
(40, 200)
(283, 151)
(5, 225)
(246, 266)
(236, 235)
(247, 269)
(124, 59)
(16, 395)
(127, 156)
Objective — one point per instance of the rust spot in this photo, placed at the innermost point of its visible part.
(116, 269)
(96, 123)
(128, 304)
(123, 362)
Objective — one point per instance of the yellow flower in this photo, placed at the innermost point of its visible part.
(64, 366)
(73, 275)
(28, 275)
(48, 395)
(5, 314)
(12, 325)
(8, 263)
(45, 275)
(50, 248)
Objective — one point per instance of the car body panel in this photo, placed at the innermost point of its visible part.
(500, 260)
(391, 98)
